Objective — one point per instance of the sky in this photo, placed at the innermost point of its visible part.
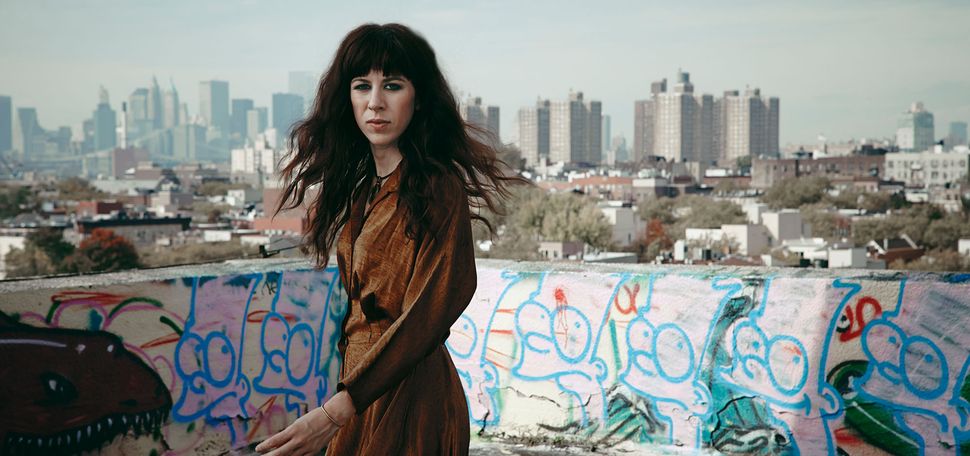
(842, 69)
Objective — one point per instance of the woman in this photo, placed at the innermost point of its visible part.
(396, 170)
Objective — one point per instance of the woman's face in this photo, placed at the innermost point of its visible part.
(383, 107)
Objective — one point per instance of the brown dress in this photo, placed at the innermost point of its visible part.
(404, 296)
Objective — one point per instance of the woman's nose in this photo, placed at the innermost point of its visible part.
(376, 102)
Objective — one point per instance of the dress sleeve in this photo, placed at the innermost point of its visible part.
(440, 288)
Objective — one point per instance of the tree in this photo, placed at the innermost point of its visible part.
(51, 242)
(824, 222)
(29, 261)
(44, 250)
(936, 260)
(794, 192)
(14, 200)
(102, 251)
(535, 215)
(945, 232)
(155, 256)
(511, 156)
(657, 208)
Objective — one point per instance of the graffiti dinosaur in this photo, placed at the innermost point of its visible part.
(64, 391)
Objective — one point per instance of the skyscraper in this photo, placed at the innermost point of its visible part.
(915, 132)
(6, 124)
(957, 136)
(189, 142)
(256, 123)
(575, 130)
(534, 132)
(606, 134)
(304, 84)
(138, 117)
(171, 112)
(104, 123)
(156, 110)
(287, 110)
(214, 105)
(240, 106)
(32, 136)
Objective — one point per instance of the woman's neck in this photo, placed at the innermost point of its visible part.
(386, 159)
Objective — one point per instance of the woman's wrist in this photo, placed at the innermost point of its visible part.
(340, 408)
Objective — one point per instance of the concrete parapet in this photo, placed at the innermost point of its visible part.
(211, 358)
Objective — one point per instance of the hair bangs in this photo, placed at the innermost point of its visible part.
(379, 51)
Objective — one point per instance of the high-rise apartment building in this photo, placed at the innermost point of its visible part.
(645, 122)
(237, 119)
(486, 117)
(214, 105)
(287, 111)
(492, 121)
(534, 132)
(746, 125)
(915, 131)
(956, 137)
(105, 133)
(575, 129)
(680, 125)
(6, 124)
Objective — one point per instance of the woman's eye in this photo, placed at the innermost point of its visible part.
(362, 87)
(392, 86)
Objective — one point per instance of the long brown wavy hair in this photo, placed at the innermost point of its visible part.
(331, 154)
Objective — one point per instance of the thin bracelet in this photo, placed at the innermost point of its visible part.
(330, 417)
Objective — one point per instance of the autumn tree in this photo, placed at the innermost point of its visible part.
(102, 251)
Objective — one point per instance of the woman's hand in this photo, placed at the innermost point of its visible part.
(311, 432)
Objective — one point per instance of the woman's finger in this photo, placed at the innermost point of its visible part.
(288, 448)
(274, 441)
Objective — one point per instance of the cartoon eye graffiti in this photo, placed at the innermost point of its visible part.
(299, 354)
(882, 343)
(674, 353)
(640, 335)
(788, 364)
(58, 389)
(219, 359)
(464, 337)
(924, 367)
(573, 333)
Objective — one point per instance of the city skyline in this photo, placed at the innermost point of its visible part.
(827, 63)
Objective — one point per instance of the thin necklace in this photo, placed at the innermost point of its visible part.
(377, 185)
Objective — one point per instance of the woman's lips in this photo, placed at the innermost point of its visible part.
(378, 124)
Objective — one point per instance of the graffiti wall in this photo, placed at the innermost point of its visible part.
(733, 361)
